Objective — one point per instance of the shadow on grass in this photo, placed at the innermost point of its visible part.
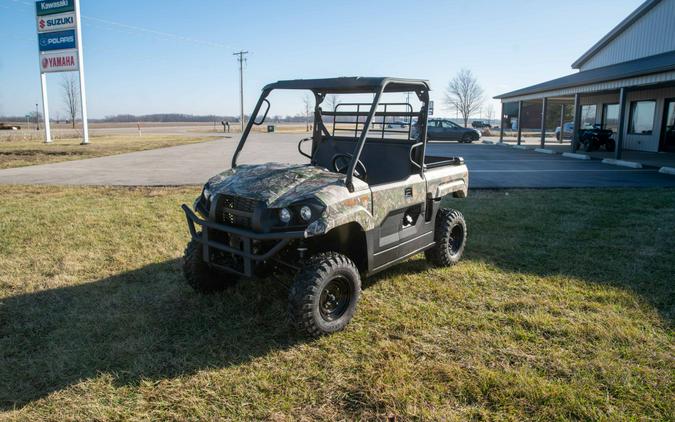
(142, 324)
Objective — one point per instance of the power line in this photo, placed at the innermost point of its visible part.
(241, 61)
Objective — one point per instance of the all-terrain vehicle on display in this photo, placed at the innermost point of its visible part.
(593, 138)
(367, 198)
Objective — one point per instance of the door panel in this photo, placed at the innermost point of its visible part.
(397, 207)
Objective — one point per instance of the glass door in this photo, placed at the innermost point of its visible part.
(668, 135)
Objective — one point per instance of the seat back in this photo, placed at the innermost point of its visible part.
(386, 160)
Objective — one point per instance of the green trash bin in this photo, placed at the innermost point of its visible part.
(270, 128)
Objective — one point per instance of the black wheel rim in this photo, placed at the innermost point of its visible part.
(456, 239)
(335, 298)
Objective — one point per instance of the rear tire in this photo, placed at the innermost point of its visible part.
(199, 275)
(450, 237)
(610, 145)
(323, 297)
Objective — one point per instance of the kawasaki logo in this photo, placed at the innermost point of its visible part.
(54, 5)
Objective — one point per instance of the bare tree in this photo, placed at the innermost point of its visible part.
(332, 101)
(464, 94)
(490, 112)
(306, 100)
(71, 96)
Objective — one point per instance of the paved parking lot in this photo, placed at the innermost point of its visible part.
(493, 166)
(490, 166)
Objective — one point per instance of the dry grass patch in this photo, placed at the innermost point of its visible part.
(17, 152)
(562, 309)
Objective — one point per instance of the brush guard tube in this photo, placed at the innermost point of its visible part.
(246, 236)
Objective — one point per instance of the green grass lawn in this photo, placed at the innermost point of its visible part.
(561, 309)
(17, 152)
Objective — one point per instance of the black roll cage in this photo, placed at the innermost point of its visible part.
(356, 85)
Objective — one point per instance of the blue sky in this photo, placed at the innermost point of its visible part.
(156, 56)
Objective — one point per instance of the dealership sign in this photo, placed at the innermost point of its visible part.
(58, 61)
(60, 50)
(57, 22)
(59, 40)
(50, 7)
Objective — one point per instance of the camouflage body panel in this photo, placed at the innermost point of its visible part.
(389, 197)
(447, 180)
(280, 185)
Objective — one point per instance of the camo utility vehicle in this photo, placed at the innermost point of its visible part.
(367, 198)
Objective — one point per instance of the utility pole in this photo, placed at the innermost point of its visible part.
(37, 117)
(241, 60)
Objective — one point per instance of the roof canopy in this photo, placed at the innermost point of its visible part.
(352, 84)
(644, 66)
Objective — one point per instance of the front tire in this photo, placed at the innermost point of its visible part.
(450, 237)
(323, 297)
(199, 275)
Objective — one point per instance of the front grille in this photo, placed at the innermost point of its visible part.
(237, 211)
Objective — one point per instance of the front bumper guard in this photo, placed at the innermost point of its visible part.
(246, 236)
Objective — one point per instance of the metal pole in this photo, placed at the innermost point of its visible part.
(241, 87)
(45, 108)
(576, 123)
(501, 125)
(544, 103)
(80, 61)
(618, 148)
(520, 127)
(562, 123)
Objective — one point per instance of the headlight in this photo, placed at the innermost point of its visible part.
(207, 193)
(284, 215)
(306, 213)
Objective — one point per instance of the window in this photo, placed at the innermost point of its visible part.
(642, 117)
(610, 117)
(587, 116)
(448, 124)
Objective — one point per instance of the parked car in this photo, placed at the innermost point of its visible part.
(479, 124)
(447, 130)
(567, 131)
(9, 127)
(360, 205)
(397, 123)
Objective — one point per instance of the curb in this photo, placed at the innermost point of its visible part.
(502, 144)
(577, 156)
(667, 170)
(544, 150)
(623, 163)
(488, 142)
(519, 147)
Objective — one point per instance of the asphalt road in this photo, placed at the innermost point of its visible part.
(490, 166)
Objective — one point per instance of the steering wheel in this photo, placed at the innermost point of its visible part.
(341, 162)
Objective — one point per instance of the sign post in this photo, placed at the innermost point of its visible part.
(83, 96)
(60, 50)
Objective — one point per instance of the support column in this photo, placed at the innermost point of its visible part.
(577, 123)
(562, 123)
(501, 125)
(520, 126)
(618, 148)
(544, 103)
